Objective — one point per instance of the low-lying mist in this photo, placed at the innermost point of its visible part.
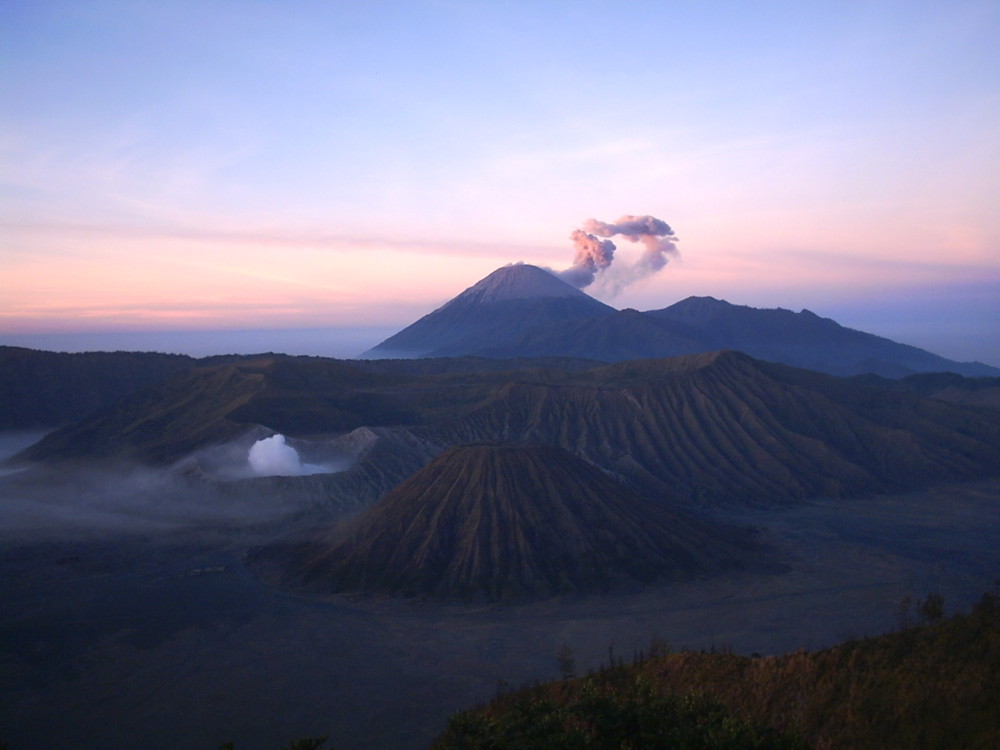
(38, 503)
(14, 442)
(256, 485)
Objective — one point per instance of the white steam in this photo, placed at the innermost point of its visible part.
(203, 494)
(273, 457)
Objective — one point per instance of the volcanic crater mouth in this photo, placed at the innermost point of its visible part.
(262, 453)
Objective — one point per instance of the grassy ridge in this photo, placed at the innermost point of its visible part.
(928, 687)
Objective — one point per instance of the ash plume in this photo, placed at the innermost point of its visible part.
(594, 256)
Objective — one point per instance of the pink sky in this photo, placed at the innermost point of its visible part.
(325, 166)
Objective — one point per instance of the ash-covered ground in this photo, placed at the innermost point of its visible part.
(128, 618)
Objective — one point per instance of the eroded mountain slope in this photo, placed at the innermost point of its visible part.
(710, 427)
(504, 522)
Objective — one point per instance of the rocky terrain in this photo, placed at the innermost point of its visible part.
(717, 427)
(510, 522)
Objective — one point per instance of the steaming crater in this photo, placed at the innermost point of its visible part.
(273, 457)
(263, 453)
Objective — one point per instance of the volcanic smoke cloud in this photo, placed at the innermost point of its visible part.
(594, 255)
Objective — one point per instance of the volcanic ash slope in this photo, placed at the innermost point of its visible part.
(504, 522)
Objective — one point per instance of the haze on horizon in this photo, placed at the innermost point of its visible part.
(263, 167)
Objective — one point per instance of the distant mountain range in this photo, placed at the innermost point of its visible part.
(525, 311)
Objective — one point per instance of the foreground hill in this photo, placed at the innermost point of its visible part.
(525, 311)
(709, 427)
(507, 522)
(922, 688)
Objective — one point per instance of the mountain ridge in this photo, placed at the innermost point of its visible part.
(710, 427)
(44, 389)
(545, 317)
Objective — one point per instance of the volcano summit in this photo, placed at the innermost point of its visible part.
(497, 309)
(526, 311)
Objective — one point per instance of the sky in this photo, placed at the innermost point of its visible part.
(170, 170)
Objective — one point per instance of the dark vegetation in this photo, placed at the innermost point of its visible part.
(304, 743)
(601, 715)
(930, 686)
